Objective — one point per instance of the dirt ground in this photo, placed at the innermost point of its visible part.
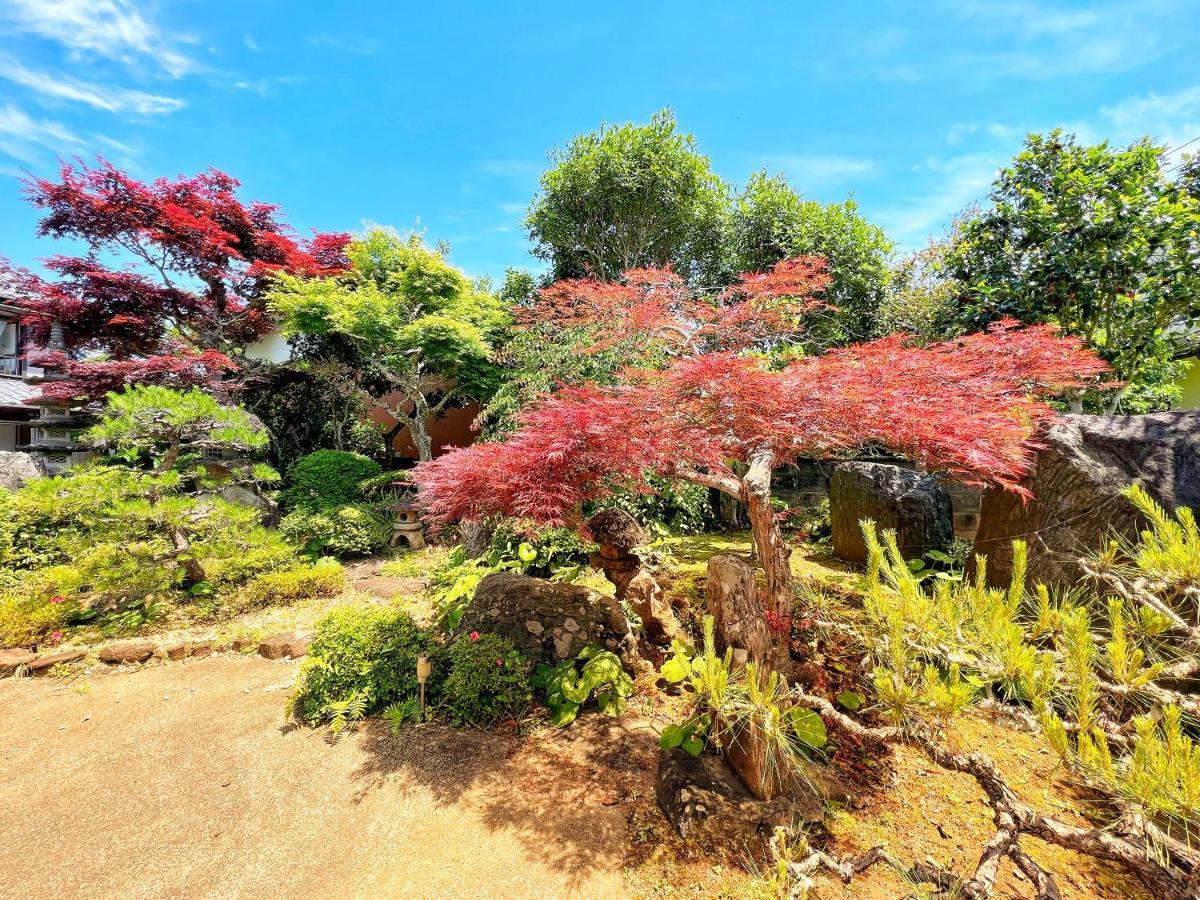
(183, 780)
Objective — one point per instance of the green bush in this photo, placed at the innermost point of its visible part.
(328, 478)
(343, 531)
(324, 578)
(107, 539)
(487, 681)
(679, 506)
(567, 687)
(361, 658)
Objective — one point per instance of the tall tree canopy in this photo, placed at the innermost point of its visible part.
(188, 296)
(1100, 241)
(409, 323)
(723, 412)
(770, 221)
(627, 196)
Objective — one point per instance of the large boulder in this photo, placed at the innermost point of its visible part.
(547, 621)
(706, 802)
(731, 597)
(916, 506)
(1077, 504)
(245, 495)
(17, 468)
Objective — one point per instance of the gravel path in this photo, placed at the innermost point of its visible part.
(183, 780)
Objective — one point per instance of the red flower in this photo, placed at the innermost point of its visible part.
(474, 635)
(57, 599)
(499, 662)
(55, 637)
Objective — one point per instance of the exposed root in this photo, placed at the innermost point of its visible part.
(1168, 867)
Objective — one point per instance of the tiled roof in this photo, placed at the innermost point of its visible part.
(14, 392)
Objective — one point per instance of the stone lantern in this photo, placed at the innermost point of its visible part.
(618, 533)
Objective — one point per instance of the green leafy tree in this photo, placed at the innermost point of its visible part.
(770, 222)
(425, 331)
(628, 196)
(154, 418)
(1102, 242)
(922, 299)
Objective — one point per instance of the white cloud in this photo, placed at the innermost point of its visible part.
(952, 184)
(251, 43)
(22, 136)
(1171, 119)
(1050, 42)
(804, 170)
(356, 45)
(114, 29)
(116, 100)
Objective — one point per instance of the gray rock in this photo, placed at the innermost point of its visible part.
(916, 506)
(1077, 506)
(16, 468)
(245, 496)
(522, 601)
(706, 802)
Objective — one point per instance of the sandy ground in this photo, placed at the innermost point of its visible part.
(183, 780)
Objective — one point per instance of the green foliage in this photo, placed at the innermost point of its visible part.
(625, 196)
(151, 417)
(418, 324)
(1098, 240)
(922, 298)
(770, 222)
(361, 658)
(1169, 551)
(401, 713)
(555, 553)
(678, 506)
(324, 578)
(342, 531)
(595, 672)
(329, 478)
(115, 544)
(487, 680)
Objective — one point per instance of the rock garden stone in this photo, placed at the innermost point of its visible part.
(533, 614)
(618, 533)
(126, 652)
(1077, 504)
(13, 659)
(279, 646)
(916, 506)
(731, 597)
(46, 662)
(706, 801)
(16, 468)
(246, 496)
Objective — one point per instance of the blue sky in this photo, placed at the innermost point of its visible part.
(442, 114)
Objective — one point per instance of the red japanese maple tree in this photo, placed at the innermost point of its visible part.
(725, 419)
(186, 296)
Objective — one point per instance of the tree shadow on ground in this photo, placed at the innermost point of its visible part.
(559, 793)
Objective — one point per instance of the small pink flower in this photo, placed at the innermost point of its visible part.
(499, 662)
(474, 635)
(58, 599)
(55, 637)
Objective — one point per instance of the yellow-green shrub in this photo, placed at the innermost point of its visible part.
(324, 578)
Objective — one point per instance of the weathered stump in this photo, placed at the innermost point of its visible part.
(739, 617)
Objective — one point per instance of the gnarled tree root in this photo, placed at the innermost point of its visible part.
(1168, 867)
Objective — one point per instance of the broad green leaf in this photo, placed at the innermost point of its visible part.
(692, 745)
(808, 727)
(672, 736)
(851, 700)
(676, 669)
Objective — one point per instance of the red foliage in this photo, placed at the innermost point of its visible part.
(200, 260)
(970, 407)
(87, 380)
(655, 303)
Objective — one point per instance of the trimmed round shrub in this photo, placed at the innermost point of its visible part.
(343, 531)
(329, 478)
(361, 658)
(487, 680)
